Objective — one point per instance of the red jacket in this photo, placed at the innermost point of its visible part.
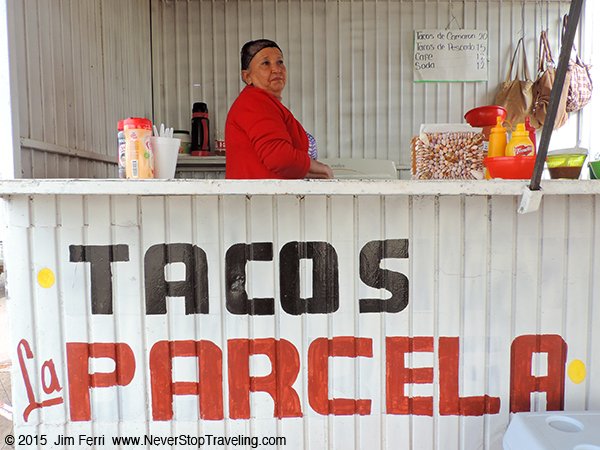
(263, 139)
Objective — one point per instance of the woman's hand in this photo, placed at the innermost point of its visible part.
(319, 170)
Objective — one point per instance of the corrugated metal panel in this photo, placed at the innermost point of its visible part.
(481, 280)
(349, 63)
(200, 174)
(82, 66)
(44, 163)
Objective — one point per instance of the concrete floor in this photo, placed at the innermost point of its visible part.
(5, 366)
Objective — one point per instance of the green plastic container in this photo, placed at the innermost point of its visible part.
(594, 167)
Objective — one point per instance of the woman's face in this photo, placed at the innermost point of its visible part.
(267, 71)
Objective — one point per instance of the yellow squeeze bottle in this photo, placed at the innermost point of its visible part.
(497, 142)
(497, 145)
(520, 144)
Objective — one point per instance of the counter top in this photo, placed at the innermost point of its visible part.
(289, 187)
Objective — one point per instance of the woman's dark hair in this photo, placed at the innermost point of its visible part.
(251, 48)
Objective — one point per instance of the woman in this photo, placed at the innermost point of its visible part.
(262, 137)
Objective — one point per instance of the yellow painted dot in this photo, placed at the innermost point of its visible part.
(576, 371)
(46, 278)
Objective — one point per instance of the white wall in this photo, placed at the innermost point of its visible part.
(477, 270)
(9, 132)
(590, 47)
(349, 63)
(81, 65)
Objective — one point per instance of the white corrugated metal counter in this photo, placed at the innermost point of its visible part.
(299, 187)
(297, 314)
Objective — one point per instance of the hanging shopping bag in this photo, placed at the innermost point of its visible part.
(580, 84)
(542, 88)
(515, 94)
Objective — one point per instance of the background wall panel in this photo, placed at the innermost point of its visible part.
(349, 63)
(82, 65)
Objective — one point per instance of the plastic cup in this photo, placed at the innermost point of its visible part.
(165, 152)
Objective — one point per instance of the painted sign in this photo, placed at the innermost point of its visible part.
(189, 321)
(283, 355)
(450, 55)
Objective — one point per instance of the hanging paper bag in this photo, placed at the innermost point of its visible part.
(515, 94)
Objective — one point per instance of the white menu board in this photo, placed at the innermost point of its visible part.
(450, 55)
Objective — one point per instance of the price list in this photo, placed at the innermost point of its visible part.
(450, 55)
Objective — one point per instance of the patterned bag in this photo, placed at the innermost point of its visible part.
(580, 86)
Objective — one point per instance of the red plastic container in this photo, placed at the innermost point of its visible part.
(485, 116)
(510, 167)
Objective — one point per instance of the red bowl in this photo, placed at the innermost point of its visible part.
(485, 116)
(510, 167)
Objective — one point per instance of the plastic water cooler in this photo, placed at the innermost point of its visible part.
(554, 430)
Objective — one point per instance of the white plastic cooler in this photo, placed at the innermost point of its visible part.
(553, 430)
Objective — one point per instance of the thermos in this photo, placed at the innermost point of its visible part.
(200, 128)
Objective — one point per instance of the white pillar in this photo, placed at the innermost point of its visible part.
(589, 50)
(10, 149)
